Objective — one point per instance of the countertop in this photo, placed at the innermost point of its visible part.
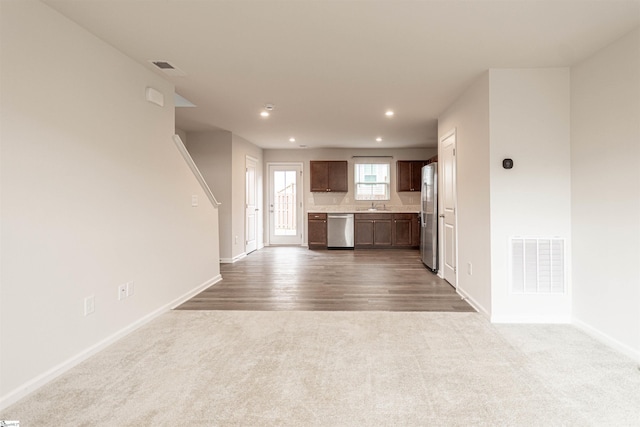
(354, 210)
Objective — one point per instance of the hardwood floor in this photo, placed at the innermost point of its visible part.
(294, 278)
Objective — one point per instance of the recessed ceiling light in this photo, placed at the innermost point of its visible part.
(264, 114)
(292, 139)
(379, 139)
(389, 113)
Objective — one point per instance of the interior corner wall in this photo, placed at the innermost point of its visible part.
(212, 152)
(605, 200)
(241, 149)
(94, 195)
(529, 123)
(469, 117)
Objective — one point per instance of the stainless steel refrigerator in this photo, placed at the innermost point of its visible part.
(429, 216)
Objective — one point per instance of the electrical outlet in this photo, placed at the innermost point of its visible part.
(130, 288)
(236, 240)
(469, 269)
(122, 292)
(89, 305)
(194, 200)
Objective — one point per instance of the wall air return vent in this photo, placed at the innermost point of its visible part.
(168, 68)
(537, 265)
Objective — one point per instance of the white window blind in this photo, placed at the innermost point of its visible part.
(372, 180)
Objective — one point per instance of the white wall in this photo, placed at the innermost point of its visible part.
(336, 201)
(221, 156)
(605, 158)
(530, 123)
(469, 116)
(94, 194)
(211, 152)
(523, 115)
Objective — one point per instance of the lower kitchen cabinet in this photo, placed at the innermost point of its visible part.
(376, 230)
(373, 230)
(317, 231)
(406, 230)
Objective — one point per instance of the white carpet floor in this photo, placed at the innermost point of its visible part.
(342, 369)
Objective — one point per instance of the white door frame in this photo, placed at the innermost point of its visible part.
(450, 276)
(251, 208)
(297, 240)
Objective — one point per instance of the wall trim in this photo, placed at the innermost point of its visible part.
(607, 339)
(473, 303)
(48, 376)
(232, 260)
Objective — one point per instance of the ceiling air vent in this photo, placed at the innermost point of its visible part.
(168, 68)
(163, 65)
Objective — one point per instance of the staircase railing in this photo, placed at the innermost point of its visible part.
(192, 165)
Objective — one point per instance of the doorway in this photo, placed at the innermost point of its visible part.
(285, 203)
(447, 157)
(251, 206)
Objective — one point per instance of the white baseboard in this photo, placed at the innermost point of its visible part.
(187, 296)
(607, 340)
(44, 378)
(473, 303)
(232, 260)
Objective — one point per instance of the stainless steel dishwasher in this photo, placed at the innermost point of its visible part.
(340, 231)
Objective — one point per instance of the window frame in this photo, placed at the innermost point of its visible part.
(386, 184)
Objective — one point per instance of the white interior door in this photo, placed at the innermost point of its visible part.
(251, 206)
(447, 158)
(285, 204)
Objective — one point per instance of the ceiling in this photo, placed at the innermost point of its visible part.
(332, 68)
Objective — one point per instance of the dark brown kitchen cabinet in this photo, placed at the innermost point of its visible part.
(406, 230)
(317, 231)
(387, 230)
(373, 230)
(329, 176)
(409, 174)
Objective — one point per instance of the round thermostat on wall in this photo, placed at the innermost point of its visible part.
(507, 163)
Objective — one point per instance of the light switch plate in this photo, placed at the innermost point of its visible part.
(130, 288)
(89, 305)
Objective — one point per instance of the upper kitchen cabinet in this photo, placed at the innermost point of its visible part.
(409, 174)
(329, 176)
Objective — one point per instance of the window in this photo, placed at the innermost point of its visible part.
(372, 180)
